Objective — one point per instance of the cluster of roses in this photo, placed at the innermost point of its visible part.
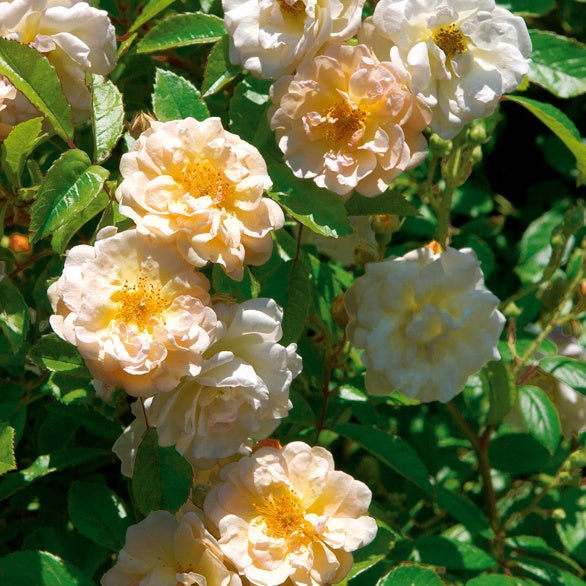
(351, 117)
(210, 374)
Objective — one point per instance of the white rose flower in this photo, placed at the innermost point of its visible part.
(425, 322)
(197, 185)
(136, 310)
(168, 550)
(241, 392)
(271, 38)
(463, 55)
(75, 37)
(348, 121)
(7, 95)
(286, 516)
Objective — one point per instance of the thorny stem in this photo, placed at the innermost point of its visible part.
(330, 363)
(480, 447)
(29, 261)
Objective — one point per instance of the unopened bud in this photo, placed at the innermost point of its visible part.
(339, 312)
(19, 242)
(139, 123)
(385, 223)
(558, 514)
(477, 134)
(439, 146)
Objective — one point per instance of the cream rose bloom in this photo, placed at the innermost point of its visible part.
(201, 187)
(463, 55)
(348, 121)
(136, 310)
(168, 550)
(271, 38)
(286, 516)
(76, 39)
(241, 392)
(425, 322)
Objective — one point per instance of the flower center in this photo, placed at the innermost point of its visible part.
(294, 9)
(203, 179)
(283, 515)
(450, 40)
(341, 123)
(137, 304)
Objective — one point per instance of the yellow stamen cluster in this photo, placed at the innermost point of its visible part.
(203, 179)
(138, 303)
(342, 121)
(284, 516)
(450, 40)
(298, 7)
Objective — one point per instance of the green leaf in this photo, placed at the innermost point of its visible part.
(567, 370)
(69, 545)
(389, 202)
(296, 307)
(32, 74)
(248, 288)
(162, 477)
(150, 10)
(57, 355)
(558, 64)
(70, 187)
(319, 209)
(40, 568)
(547, 573)
(465, 511)
(495, 580)
(389, 449)
(7, 459)
(98, 514)
(63, 234)
(14, 316)
(561, 126)
(572, 529)
(528, 7)
(540, 416)
(107, 117)
(535, 246)
(452, 554)
(17, 146)
(175, 98)
(248, 110)
(410, 576)
(181, 30)
(46, 464)
(517, 453)
(501, 390)
(219, 70)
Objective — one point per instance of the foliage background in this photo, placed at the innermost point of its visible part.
(460, 497)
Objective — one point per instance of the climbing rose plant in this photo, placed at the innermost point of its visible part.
(292, 292)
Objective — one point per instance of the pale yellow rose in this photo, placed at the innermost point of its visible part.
(242, 391)
(76, 39)
(136, 310)
(425, 322)
(168, 550)
(348, 121)
(201, 187)
(463, 55)
(271, 38)
(287, 516)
